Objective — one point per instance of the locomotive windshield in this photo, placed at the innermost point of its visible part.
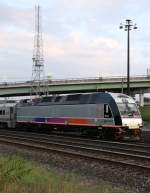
(128, 109)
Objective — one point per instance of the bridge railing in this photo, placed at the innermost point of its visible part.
(76, 80)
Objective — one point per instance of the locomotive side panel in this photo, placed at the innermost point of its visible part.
(83, 114)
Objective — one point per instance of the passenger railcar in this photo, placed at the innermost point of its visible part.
(7, 114)
(106, 115)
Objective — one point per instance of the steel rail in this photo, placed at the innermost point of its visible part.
(80, 140)
(100, 147)
(81, 150)
(82, 155)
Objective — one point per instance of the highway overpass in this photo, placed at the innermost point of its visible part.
(138, 85)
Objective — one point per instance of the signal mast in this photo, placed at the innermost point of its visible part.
(38, 85)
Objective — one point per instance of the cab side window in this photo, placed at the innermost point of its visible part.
(107, 111)
(2, 112)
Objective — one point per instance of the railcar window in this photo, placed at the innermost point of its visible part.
(85, 99)
(36, 100)
(57, 99)
(47, 99)
(11, 110)
(128, 109)
(107, 111)
(25, 100)
(2, 112)
(11, 101)
(99, 98)
(94, 98)
(73, 97)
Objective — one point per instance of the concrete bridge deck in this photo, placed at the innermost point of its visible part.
(138, 84)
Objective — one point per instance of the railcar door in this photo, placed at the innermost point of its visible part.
(12, 117)
(107, 111)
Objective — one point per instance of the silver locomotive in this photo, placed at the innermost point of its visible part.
(106, 115)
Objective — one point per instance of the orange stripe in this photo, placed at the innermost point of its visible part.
(78, 121)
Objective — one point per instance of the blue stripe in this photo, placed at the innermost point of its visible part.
(39, 119)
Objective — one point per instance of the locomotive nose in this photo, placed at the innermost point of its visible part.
(132, 123)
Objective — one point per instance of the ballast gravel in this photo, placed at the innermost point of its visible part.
(138, 182)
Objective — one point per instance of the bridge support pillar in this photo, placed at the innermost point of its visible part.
(141, 99)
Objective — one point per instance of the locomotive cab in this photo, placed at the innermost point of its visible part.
(130, 115)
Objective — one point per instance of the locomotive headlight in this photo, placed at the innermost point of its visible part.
(140, 125)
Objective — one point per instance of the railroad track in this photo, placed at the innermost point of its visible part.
(123, 154)
(146, 137)
(122, 146)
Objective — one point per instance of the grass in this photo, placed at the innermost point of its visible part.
(20, 176)
(145, 114)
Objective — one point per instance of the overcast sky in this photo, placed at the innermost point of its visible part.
(81, 38)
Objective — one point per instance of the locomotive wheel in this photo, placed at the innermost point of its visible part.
(100, 134)
(108, 134)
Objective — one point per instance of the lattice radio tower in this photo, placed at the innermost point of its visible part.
(38, 86)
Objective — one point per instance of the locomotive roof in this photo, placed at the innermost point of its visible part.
(6, 104)
(78, 98)
(119, 97)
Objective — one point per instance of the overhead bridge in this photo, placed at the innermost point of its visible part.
(138, 85)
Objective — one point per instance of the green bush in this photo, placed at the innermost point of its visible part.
(12, 170)
(20, 176)
(145, 114)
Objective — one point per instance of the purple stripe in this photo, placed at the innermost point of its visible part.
(56, 120)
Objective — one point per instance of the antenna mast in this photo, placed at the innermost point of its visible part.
(38, 86)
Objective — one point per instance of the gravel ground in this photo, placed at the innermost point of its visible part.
(146, 126)
(135, 181)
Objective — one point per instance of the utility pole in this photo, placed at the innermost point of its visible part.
(128, 26)
(38, 86)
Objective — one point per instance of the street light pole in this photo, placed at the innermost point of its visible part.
(128, 56)
(128, 26)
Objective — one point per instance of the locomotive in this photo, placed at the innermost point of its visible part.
(105, 115)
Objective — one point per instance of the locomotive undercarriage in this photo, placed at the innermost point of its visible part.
(103, 132)
(133, 134)
(121, 133)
